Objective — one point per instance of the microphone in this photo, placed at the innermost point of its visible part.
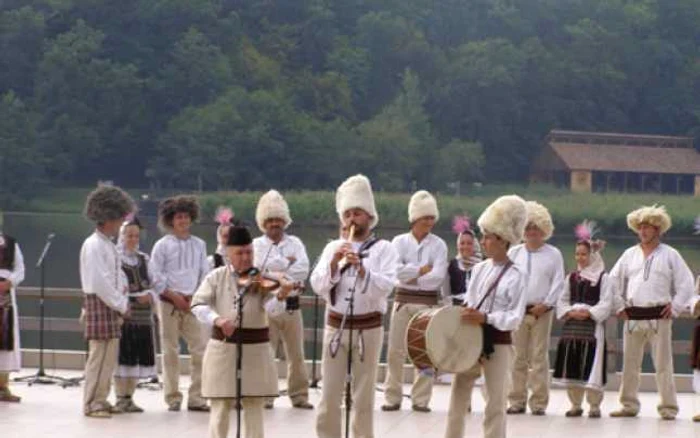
(51, 236)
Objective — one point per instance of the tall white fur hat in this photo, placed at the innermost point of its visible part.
(356, 192)
(538, 215)
(422, 204)
(506, 217)
(272, 206)
(654, 215)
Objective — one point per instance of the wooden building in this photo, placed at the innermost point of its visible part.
(604, 162)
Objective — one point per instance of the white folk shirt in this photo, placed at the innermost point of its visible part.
(505, 306)
(371, 292)
(274, 257)
(432, 250)
(545, 273)
(652, 281)
(101, 271)
(178, 265)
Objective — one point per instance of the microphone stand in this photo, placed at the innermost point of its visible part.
(335, 344)
(41, 377)
(239, 361)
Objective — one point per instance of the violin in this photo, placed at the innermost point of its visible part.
(261, 282)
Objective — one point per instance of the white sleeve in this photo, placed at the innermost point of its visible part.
(156, 266)
(203, 299)
(17, 275)
(405, 272)
(682, 284)
(436, 277)
(101, 280)
(299, 270)
(510, 319)
(557, 281)
(617, 277)
(564, 301)
(601, 311)
(204, 266)
(382, 279)
(321, 280)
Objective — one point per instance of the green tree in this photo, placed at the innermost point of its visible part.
(21, 164)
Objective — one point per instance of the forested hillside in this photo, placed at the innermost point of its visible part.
(251, 94)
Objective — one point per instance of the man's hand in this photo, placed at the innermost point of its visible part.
(228, 326)
(623, 315)
(5, 286)
(473, 316)
(338, 256)
(578, 315)
(144, 299)
(539, 310)
(667, 313)
(286, 287)
(424, 270)
(179, 301)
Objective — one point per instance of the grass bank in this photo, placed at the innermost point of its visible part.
(308, 207)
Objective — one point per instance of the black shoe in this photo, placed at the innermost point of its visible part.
(199, 408)
(391, 408)
(421, 408)
(515, 410)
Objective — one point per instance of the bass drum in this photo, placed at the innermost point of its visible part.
(438, 339)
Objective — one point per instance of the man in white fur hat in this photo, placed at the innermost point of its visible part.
(544, 266)
(362, 267)
(495, 300)
(421, 273)
(281, 255)
(654, 285)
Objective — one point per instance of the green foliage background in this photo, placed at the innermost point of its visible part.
(298, 94)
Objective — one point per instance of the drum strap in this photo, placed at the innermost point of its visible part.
(487, 330)
(493, 287)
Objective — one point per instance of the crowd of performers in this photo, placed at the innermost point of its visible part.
(511, 283)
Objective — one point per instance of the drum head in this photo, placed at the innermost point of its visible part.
(452, 345)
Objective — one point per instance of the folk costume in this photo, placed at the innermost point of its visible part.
(286, 258)
(498, 290)
(218, 296)
(179, 266)
(379, 259)
(11, 271)
(645, 286)
(459, 270)
(105, 300)
(545, 270)
(413, 293)
(137, 354)
(581, 354)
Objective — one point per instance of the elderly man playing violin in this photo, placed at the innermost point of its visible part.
(216, 303)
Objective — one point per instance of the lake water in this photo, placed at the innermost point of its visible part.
(31, 231)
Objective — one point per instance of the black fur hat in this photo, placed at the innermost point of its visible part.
(178, 204)
(107, 203)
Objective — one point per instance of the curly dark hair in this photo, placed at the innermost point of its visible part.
(107, 203)
(178, 204)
